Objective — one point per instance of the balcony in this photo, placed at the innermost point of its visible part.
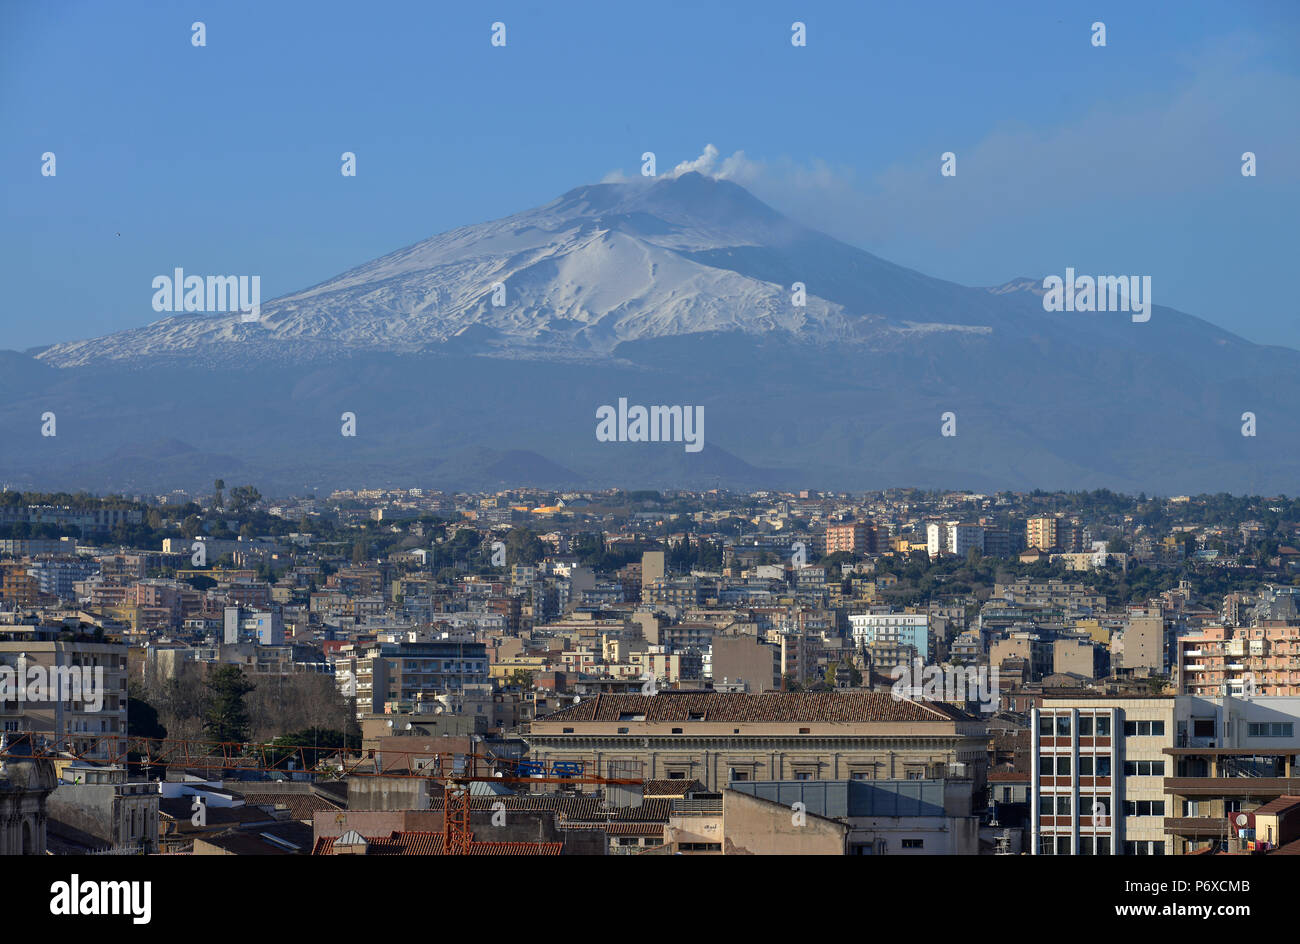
(1196, 826)
(1261, 787)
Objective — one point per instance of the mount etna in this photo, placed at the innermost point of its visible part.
(481, 356)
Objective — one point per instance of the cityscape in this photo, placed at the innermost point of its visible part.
(721, 429)
(640, 672)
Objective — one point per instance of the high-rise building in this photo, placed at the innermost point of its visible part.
(853, 537)
(652, 568)
(1040, 532)
(73, 690)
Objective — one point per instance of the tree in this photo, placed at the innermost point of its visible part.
(218, 500)
(227, 717)
(243, 498)
(523, 547)
(142, 717)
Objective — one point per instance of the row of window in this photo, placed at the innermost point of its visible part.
(1144, 729)
(1144, 768)
(1269, 729)
(1096, 806)
(1059, 765)
(1060, 726)
(1051, 805)
(1088, 845)
(1099, 845)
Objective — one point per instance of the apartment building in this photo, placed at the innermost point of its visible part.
(1161, 775)
(64, 686)
(1096, 781)
(893, 629)
(1249, 660)
(853, 537)
(953, 538)
(408, 673)
(1040, 532)
(1232, 759)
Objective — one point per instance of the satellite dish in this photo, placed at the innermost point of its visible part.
(1242, 819)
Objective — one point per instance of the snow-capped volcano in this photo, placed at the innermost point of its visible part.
(678, 290)
(597, 267)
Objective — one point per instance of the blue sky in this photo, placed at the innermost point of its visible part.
(225, 159)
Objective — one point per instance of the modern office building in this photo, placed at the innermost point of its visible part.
(1162, 775)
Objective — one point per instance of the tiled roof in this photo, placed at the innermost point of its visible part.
(1008, 776)
(300, 805)
(626, 829)
(671, 788)
(766, 707)
(1278, 805)
(576, 808)
(426, 843)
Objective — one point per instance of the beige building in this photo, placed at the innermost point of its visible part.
(652, 568)
(69, 688)
(744, 659)
(719, 738)
(1040, 532)
(1144, 644)
(1097, 776)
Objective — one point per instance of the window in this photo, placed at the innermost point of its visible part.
(1103, 766)
(1103, 845)
(622, 730)
(1203, 728)
(677, 730)
(802, 775)
(1085, 766)
(1046, 765)
(1103, 730)
(1063, 765)
(1062, 806)
(1085, 726)
(676, 775)
(913, 843)
(1063, 726)
(1085, 845)
(1045, 725)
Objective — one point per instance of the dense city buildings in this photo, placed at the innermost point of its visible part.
(651, 673)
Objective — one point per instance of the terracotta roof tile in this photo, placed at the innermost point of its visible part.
(765, 707)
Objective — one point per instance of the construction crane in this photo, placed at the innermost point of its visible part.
(453, 771)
